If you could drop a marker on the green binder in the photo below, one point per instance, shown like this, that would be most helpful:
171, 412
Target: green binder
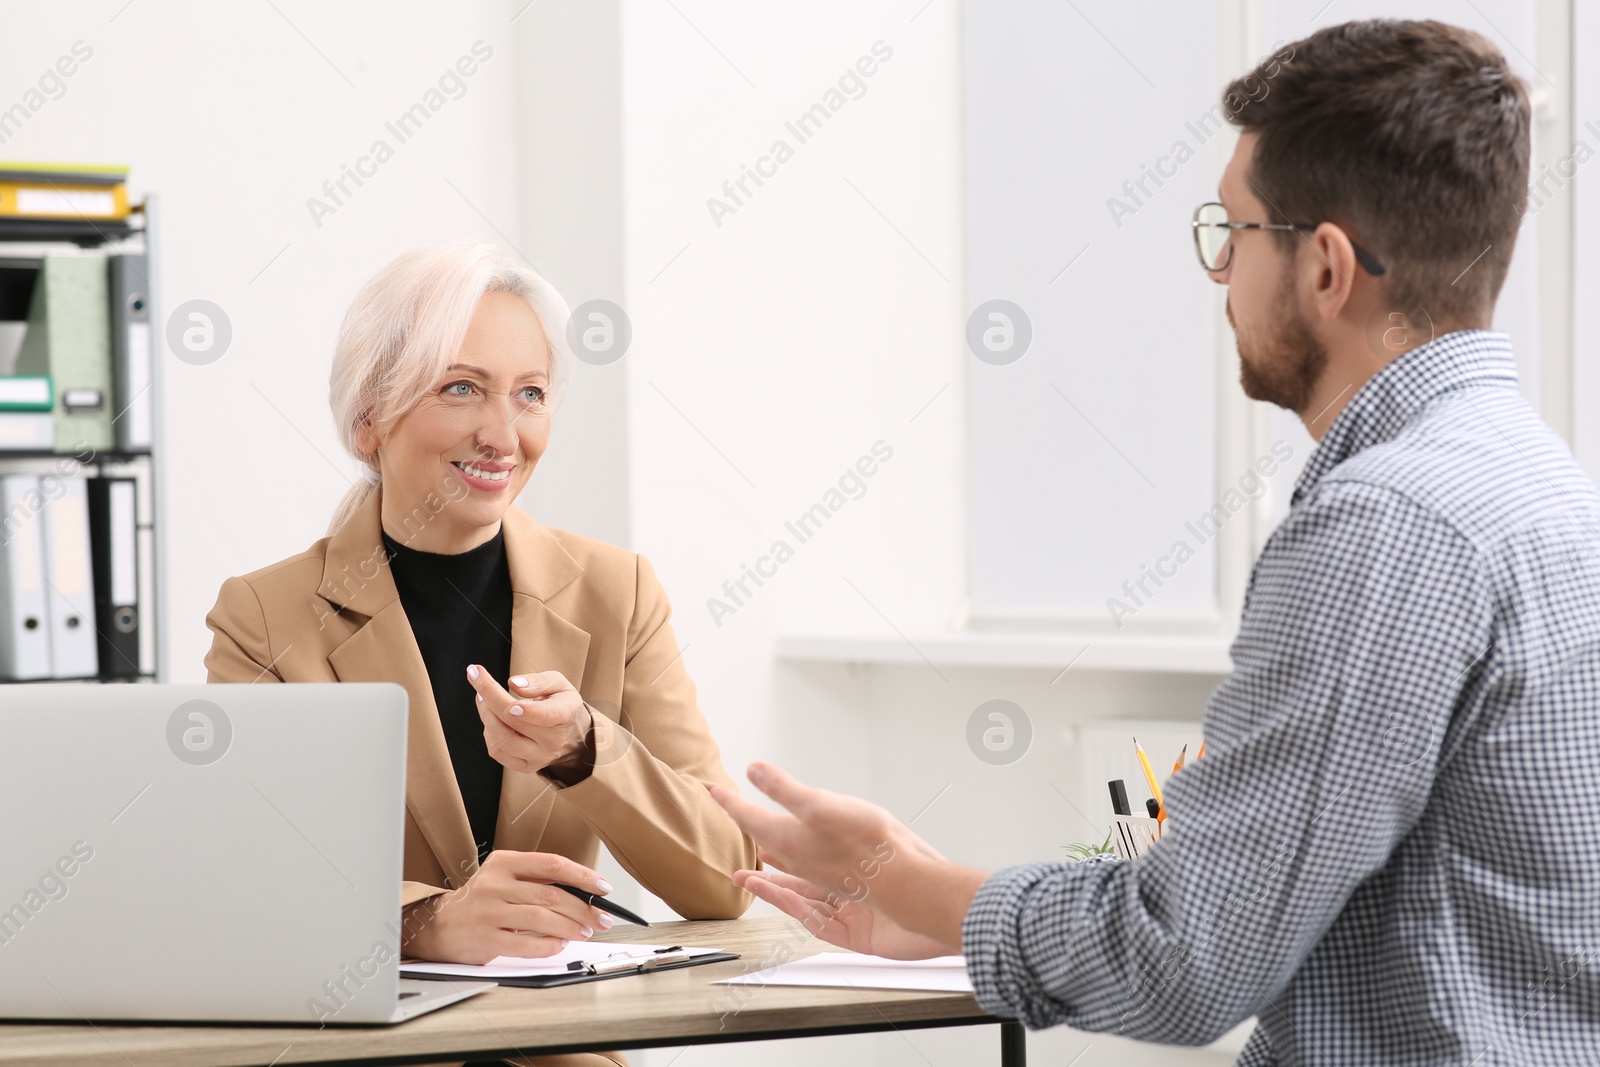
26, 392
69, 338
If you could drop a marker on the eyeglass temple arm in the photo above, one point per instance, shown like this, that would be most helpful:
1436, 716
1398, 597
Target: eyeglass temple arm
1368, 261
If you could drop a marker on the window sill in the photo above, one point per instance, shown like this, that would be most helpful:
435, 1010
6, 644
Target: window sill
1178, 653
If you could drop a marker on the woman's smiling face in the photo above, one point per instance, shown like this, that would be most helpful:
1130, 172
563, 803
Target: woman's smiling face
454, 463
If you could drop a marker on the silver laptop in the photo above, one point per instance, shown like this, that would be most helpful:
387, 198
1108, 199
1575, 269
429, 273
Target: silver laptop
205, 853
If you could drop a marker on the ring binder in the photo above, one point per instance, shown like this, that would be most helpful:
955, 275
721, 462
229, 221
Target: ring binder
24, 626
113, 526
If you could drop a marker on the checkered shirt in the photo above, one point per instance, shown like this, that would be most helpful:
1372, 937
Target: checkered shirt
1390, 853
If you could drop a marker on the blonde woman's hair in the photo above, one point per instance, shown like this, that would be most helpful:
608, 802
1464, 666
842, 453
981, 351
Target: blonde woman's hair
408, 323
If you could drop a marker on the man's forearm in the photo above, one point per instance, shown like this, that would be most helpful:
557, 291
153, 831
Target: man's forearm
926, 895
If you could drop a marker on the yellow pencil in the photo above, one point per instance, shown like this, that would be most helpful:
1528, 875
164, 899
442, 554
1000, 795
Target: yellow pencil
1202, 751
1177, 764
1150, 777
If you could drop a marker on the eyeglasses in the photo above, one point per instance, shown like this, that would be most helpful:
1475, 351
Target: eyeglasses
1213, 238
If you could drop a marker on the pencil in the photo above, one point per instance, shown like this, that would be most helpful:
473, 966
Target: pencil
1149, 775
1202, 751
1178, 763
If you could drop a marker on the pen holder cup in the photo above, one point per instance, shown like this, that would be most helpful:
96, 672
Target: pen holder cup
1133, 835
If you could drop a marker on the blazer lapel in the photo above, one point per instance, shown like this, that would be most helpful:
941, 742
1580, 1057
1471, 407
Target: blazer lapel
356, 579
541, 640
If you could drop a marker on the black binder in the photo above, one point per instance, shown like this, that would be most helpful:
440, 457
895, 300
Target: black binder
114, 549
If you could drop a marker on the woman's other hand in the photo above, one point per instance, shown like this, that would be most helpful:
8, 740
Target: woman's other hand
539, 724
507, 908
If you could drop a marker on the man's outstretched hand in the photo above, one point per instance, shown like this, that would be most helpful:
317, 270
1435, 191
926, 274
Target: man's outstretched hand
848, 924
872, 884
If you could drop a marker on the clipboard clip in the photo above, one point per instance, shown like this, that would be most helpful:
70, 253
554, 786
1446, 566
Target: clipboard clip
621, 961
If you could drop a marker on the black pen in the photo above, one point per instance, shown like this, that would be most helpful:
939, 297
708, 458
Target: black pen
595, 900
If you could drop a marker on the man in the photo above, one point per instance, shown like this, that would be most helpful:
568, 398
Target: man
1390, 853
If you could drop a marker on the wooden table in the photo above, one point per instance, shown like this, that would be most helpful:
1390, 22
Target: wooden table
668, 1008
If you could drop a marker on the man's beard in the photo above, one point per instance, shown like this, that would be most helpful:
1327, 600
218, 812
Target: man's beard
1280, 362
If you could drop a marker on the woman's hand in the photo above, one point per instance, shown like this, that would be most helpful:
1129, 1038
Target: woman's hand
541, 724
854, 925
508, 908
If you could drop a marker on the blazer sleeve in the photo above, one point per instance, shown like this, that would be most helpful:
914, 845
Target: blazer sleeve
648, 796
241, 651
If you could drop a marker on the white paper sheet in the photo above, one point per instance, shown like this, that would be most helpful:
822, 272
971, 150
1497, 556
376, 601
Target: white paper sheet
942, 974
523, 967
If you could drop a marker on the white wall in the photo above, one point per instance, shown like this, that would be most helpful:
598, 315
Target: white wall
1062, 132
770, 355
568, 141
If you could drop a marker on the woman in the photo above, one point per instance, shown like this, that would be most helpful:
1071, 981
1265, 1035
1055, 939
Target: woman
447, 367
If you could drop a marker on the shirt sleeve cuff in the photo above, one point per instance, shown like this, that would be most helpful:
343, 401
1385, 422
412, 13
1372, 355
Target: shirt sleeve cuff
991, 943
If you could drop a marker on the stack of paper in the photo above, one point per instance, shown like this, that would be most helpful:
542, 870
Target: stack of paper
943, 974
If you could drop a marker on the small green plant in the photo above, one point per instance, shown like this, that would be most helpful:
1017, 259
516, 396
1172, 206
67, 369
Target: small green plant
1080, 851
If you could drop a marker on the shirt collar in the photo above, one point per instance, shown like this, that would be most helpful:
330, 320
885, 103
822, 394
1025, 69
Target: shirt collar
1392, 396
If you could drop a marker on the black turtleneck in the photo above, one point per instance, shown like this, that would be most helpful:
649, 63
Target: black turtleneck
459, 607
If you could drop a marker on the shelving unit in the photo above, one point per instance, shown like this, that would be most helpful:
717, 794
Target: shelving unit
21, 238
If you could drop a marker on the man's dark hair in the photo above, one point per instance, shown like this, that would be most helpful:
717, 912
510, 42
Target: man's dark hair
1413, 136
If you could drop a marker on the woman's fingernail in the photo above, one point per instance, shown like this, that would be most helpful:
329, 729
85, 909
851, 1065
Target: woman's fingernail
480, 698
587, 932
605, 886
472, 672
520, 682
606, 921
516, 709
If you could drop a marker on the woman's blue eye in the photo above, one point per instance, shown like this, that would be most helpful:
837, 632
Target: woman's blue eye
538, 393
458, 385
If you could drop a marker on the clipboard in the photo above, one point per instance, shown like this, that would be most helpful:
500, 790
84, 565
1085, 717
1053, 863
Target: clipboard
623, 965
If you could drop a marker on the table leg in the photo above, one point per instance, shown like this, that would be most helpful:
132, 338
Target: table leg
1013, 1045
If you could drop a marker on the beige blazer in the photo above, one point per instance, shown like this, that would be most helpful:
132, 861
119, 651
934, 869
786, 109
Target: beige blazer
592, 611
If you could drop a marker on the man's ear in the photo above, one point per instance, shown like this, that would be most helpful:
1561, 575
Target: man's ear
1328, 270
